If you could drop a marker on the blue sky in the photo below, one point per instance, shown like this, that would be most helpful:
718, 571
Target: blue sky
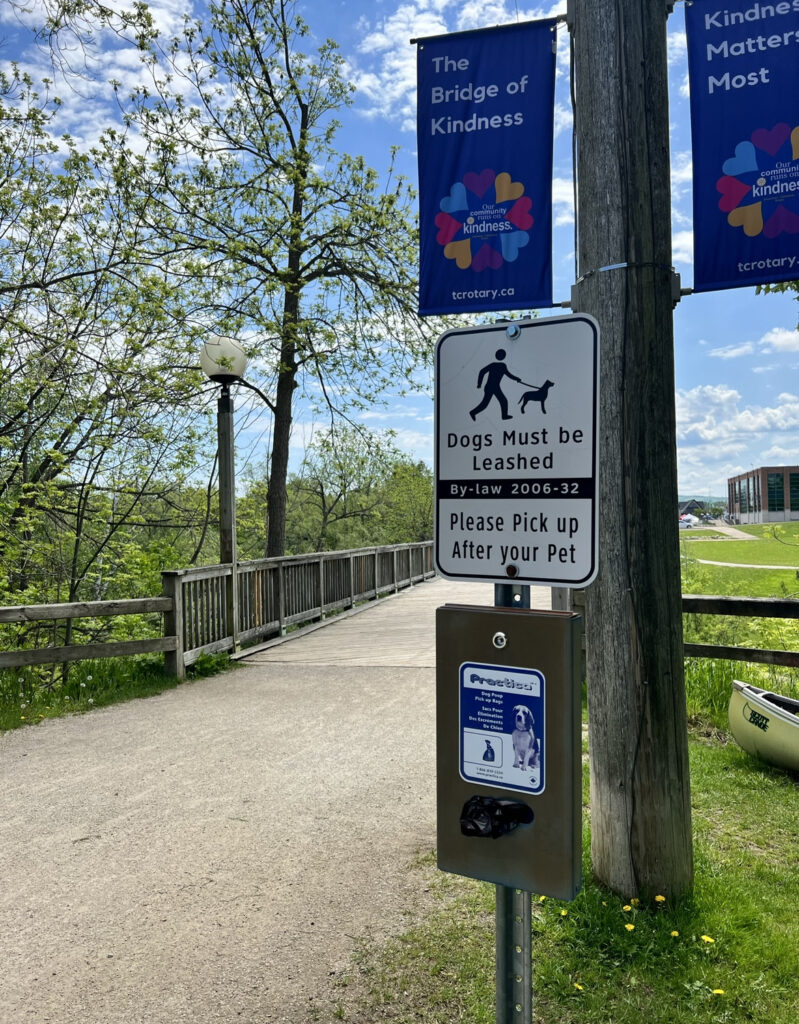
737, 353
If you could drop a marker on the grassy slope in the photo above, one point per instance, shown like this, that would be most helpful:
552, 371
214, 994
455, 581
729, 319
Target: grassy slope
587, 966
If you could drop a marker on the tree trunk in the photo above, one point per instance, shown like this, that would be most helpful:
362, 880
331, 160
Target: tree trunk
281, 437
287, 373
640, 797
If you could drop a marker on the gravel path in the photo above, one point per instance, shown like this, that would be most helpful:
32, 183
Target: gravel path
216, 853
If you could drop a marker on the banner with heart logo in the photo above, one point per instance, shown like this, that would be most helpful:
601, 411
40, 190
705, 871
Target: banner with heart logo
486, 103
743, 64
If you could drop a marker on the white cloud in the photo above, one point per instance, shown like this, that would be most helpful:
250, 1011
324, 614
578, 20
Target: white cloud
563, 201
732, 351
713, 413
780, 339
417, 444
682, 244
677, 46
386, 75
778, 455
681, 174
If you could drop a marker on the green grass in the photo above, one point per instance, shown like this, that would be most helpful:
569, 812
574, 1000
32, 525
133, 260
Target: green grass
28, 696
745, 552
718, 579
588, 968
770, 634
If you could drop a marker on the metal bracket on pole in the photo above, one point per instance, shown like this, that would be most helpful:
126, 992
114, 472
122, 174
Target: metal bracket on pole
676, 288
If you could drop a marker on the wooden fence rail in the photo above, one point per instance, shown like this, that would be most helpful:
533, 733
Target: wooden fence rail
78, 610
275, 594
758, 607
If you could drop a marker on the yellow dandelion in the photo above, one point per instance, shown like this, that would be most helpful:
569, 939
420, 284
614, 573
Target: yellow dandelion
579, 987
635, 901
541, 899
564, 913
660, 899
707, 938
626, 907
604, 903
674, 934
718, 991
630, 927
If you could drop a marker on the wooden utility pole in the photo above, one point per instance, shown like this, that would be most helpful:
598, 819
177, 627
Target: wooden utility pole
640, 798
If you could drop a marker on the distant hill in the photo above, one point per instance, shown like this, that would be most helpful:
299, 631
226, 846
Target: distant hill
704, 498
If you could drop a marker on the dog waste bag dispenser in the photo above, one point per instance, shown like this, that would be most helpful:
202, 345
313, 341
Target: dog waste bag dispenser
508, 727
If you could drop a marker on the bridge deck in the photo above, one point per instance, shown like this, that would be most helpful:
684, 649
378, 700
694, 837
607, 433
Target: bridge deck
399, 630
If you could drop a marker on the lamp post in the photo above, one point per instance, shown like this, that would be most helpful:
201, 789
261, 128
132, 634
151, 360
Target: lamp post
224, 361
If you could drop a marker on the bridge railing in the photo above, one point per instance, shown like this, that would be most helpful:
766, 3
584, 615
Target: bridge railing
221, 608
274, 594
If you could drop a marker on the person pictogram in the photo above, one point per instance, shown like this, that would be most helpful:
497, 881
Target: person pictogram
493, 374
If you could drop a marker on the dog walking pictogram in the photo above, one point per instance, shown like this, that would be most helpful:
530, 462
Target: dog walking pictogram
493, 374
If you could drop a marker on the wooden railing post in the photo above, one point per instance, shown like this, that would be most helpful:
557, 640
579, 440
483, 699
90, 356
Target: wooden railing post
172, 587
321, 587
281, 600
352, 580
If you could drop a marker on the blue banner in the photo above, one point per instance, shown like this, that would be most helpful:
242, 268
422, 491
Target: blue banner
486, 103
743, 61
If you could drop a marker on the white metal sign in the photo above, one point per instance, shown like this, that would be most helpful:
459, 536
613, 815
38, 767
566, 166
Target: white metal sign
517, 408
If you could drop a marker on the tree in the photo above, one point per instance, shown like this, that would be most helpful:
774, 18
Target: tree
314, 258
95, 422
341, 484
409, 504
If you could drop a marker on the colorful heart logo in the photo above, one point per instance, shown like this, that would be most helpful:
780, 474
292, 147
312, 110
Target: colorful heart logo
456, 200
448, 227
732, 192
781, 220
480, 183
461, 252
745, 160
507, 189
486, 258
771, 142
512, 242
750, 218
519, 214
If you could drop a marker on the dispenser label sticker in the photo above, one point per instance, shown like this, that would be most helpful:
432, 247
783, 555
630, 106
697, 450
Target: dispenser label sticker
502, 727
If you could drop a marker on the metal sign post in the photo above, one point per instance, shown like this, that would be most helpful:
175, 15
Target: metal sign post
513, 914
